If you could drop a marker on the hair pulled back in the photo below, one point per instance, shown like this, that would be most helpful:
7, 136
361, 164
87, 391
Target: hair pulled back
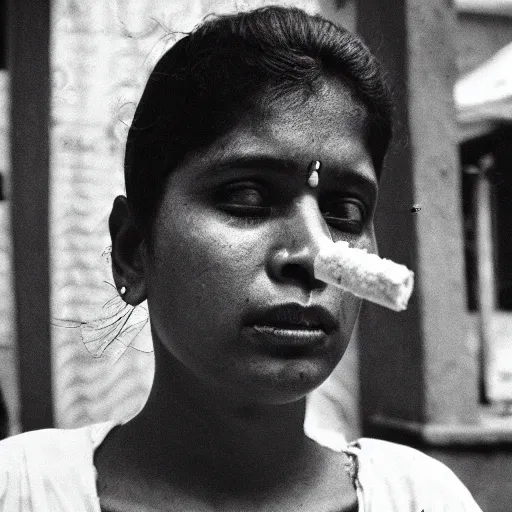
227, 66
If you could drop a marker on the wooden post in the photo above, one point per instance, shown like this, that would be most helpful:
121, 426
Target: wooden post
419, 374
486, 280
29, 69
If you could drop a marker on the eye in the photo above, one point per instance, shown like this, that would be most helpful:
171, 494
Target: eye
248, 196
245, 199
345, 215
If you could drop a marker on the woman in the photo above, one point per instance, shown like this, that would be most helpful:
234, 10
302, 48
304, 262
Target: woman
259, 136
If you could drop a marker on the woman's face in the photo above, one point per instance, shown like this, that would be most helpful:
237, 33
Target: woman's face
229, 276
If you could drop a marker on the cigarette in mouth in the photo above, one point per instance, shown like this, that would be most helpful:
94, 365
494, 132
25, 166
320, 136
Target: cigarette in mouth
365, 275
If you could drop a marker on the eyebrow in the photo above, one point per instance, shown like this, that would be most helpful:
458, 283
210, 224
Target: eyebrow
255, 162
258, 162
358, 179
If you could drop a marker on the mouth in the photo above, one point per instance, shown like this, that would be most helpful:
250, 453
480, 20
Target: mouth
292, 330
289, 342
294, 333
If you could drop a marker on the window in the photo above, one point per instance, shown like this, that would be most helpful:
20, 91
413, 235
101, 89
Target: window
492, 152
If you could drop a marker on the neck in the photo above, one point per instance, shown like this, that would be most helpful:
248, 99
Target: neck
188, 424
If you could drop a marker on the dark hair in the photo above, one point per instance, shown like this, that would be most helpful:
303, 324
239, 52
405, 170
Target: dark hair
225, 67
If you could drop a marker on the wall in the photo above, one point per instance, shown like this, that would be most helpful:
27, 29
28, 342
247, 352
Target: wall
478, 37
8, 376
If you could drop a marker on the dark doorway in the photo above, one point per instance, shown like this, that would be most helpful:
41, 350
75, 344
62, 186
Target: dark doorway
497, 148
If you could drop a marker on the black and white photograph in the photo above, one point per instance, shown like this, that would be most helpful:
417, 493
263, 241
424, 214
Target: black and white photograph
255, 255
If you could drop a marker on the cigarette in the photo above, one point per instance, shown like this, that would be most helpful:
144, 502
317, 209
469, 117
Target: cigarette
365, 275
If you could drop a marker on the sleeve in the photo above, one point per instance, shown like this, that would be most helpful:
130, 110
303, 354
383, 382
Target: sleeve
48, 470
407, 480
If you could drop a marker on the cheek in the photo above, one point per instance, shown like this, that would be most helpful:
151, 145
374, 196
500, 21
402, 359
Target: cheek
202, 269
365, 240
371, 241
349, 313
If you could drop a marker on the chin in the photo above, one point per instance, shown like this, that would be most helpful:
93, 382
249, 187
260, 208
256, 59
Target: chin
288, 381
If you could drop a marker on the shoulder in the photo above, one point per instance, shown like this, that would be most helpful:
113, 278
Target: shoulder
53, 446
404, 475
400, 457
43, 464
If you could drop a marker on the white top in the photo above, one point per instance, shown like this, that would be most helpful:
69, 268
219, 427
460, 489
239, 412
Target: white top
53, 470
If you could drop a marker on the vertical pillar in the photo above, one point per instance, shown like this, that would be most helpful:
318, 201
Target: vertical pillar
418, 373
29, 68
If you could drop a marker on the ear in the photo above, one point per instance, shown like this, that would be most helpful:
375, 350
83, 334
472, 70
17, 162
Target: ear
128, 251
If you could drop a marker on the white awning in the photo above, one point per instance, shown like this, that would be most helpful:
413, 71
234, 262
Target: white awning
492, 7
483, 97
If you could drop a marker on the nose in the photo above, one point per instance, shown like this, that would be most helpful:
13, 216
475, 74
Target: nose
299, 240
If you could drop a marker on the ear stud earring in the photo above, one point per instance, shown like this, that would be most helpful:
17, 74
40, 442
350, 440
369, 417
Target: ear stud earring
313, 177
122, 290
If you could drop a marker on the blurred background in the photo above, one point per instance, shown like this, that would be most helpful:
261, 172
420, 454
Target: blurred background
438, 377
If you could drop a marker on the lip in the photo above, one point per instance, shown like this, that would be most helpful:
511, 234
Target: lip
292, 335
289, 342
293, 323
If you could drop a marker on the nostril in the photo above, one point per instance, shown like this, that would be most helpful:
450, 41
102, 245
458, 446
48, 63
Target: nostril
294, 271
297, 273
